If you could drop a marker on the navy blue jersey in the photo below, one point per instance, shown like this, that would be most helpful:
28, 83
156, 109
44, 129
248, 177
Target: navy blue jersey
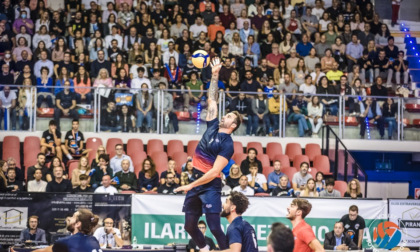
240, 231
79, 243
211, 145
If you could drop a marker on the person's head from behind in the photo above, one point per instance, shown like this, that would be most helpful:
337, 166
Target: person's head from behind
202, 226
329, 184
353, 212
338, 229
82, 221
33, 222
235, 203
299, 208
84, 180
106, 180
304, 166
280, 239
231, 121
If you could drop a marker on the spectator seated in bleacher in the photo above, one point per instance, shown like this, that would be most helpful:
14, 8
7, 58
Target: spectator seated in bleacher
299, 113
127, 179
370, 112
259, 113
256, 180
144, 104
310, 189
353, 189
169, 184
319, 181
59, 184
401, 69
338, 234
8, 101
330, 103
12, 183
74, 141
40, 165
167, 108
242, 105
65, 105
329, 190
383, 68
244, 187
274, 109
83, 168
11, 164
116, 164
109, 118
301, 177
251, 158
100, 170
274, 177
170, 170
315, 111
37, 184
148, 177
106, 186
83, 186
55, 161
194, 92
234, 175
44, 84
51, 141
283, 188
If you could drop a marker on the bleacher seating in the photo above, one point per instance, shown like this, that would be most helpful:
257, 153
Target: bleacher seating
110, 146
154, 145
273, 149
292, 150
11, 148
255, 145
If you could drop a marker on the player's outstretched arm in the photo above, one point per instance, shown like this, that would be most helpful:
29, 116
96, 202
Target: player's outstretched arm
212, 95
218, 166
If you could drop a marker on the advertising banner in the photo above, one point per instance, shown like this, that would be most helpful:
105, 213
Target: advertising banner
159, 220
52, 209
406, 215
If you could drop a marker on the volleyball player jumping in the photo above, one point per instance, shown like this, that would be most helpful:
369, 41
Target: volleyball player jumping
212, 154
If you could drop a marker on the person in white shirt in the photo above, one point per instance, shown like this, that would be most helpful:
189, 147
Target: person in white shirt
112, 36
37, 185
140, 80
106, 186
120, 156
198, 27
243, 186
318, 10
257, 181
315, 109
170, 53
108, 236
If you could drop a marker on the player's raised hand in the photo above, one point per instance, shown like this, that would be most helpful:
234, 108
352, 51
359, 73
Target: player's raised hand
184, 188
216, 65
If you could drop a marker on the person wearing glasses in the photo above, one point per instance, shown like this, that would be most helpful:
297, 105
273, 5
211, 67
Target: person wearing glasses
169, 186
108, 236
192, 247
120, 156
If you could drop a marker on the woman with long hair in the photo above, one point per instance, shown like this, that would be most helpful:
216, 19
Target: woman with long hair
330, 35
23, 33
348, 12
163, 42
97, 35
44, 19
42, 35
178, 27
199, 44
229, 32
217, 44
150, 53
266, 45
259, 112
372, 50
323, 23
353, 189
381, 39
368, 13
235, 174
118, 64
327, 61
299, 73
99, 45
346, 34
287, 45
157, 64
63, 76
389, 112
59, 49
310, 189
82, 168
148, 177
55, 162
285, 9
315, 110
311, 60
319, 181
126, 120
144, 108
103, 83
233, 85
173, 74
134, 52
357, 25
81, 83
339, 26
44, 91
26, 101
236, 48
122, 80
280, 71
112, 21
357, 90
265, 30
242, 19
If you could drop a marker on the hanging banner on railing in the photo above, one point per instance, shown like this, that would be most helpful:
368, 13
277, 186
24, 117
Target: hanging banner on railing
52, 209
159, 220
406, 214
124, 99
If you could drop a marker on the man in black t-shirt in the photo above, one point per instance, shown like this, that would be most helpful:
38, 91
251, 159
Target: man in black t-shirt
383, 67
66, 62
40, 165
191, 244
401, 68
74, 141
84, 186
169, 186
51, 141
109, 121
149, 38
354, 225
263, 72
65, 104
158, 16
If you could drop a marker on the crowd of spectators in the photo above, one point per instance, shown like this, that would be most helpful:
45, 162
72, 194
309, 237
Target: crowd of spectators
308, 48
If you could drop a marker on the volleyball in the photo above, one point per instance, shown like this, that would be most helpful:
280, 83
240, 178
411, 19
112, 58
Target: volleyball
200, 59
387, 235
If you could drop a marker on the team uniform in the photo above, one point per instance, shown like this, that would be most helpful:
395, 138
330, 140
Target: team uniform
77, 243
303, 235
207, 198
240, 231
74, 139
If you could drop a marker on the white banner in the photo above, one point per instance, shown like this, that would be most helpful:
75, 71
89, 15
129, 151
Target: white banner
406, 214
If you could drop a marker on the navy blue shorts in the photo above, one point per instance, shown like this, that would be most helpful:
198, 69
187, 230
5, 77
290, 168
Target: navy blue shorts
205, 198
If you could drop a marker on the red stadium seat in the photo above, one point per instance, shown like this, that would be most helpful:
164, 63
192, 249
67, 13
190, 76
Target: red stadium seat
150, 192
239, 157
110, 146
261, 194
299, 159
93, 144
183, 115
273, 149
138, 159
289, 171
313, 172
154, 145
137, 169
173, 147
265, 161
11, 148
134, 147
416, 123
412, 107
312, 150
322, 164
293, 149
255, 145
72, 164
31, 148
160, 159
180, 159
267, 170
341, 186
284, 160
237, 147
127, 192
191, 147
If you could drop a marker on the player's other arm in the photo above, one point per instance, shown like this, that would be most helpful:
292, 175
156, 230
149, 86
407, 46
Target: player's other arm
234, 247
213, 90
316, 246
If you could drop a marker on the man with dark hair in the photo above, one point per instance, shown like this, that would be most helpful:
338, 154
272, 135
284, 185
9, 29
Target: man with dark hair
12, 182
192, 246
33, 233
251, 158
51, 140
101, 170
59, 184
250, 84
338, 240
84, 185
280, 238
40, 164
329, 190
301, 177
109, 118
370, 111
382, 66
240, 234
257, 180
169, 185
354, 225
65, 103
74, 141
304, 236
98, 64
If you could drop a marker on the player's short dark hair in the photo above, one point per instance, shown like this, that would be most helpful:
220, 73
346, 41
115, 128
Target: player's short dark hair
240, 201
303, 205
252, 148
104, 157
330, 181
281, 238
354, 208
237, 121
202, 222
